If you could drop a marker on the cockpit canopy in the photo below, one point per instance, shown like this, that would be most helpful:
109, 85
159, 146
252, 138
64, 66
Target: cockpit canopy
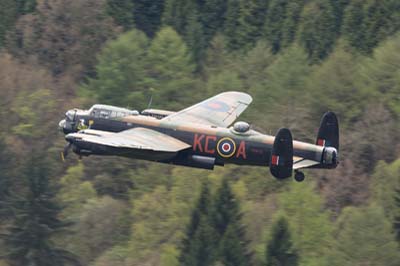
241, 127
108, 111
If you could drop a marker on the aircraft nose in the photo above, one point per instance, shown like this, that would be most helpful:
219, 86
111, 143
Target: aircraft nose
61, 125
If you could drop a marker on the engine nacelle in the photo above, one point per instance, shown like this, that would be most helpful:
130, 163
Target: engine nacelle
197, 161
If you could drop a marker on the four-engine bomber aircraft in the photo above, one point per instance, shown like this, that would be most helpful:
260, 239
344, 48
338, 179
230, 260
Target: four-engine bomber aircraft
198, 136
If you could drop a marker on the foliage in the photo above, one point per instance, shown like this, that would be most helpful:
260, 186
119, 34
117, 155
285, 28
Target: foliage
84, 28
309, 223
280, 251
364, 236
120, 73
36, 222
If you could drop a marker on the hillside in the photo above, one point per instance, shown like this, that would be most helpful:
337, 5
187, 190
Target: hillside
297, 58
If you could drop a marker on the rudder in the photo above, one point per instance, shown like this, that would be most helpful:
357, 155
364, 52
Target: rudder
281, 160
328, 133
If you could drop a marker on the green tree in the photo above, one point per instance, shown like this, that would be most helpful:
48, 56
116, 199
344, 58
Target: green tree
5, 180
122, 12
310, 225
364, 236
9, 12
74, 191
282, 22
80, 29
198, 244
30, 237
226, 219
212, 14
175, 14
8, 16
121, 71
381, 73
247, 18
231, 24
282, 90
147, 15
366, 23
396, 223
334, 86
169, 69
318, 30
280, 251
384, 184
194, 32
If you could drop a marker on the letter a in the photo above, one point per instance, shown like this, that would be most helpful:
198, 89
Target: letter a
241, 150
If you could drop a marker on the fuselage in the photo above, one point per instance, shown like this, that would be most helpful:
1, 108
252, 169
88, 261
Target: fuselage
224, 144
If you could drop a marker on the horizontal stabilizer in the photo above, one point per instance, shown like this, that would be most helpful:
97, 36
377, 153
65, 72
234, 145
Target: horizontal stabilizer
281, 161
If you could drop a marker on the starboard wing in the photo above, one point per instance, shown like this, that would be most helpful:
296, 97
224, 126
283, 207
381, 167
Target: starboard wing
136, 138
221, 110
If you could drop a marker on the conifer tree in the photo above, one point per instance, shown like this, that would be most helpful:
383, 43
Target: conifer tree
147, 15
282, 22
317, 30
231, 24
226, 219
197, 246
5, 180
212, 15
122, 12
396, 223
8, 15
29, 241
280, 251
251, 21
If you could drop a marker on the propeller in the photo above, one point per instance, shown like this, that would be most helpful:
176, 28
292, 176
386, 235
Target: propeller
65, 151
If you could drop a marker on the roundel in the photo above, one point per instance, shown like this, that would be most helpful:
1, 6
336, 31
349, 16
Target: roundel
226, 147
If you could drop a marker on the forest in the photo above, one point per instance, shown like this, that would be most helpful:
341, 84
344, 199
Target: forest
297, 58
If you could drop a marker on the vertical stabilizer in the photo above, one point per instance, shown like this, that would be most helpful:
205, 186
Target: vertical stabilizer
281, 161
328, 133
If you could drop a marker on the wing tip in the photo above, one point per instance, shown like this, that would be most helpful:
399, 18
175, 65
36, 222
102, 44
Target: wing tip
247, 97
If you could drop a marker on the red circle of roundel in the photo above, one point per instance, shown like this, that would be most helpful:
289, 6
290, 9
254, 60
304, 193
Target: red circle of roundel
226, 147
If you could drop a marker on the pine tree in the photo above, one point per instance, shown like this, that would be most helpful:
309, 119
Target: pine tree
282, 22
231, 24
122, 12
5, 180
317, 30
280, 251
175, 14
36, 222
226, 219
147, 15
197, 246
212, 14
396, 223
251, 21
8, 16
